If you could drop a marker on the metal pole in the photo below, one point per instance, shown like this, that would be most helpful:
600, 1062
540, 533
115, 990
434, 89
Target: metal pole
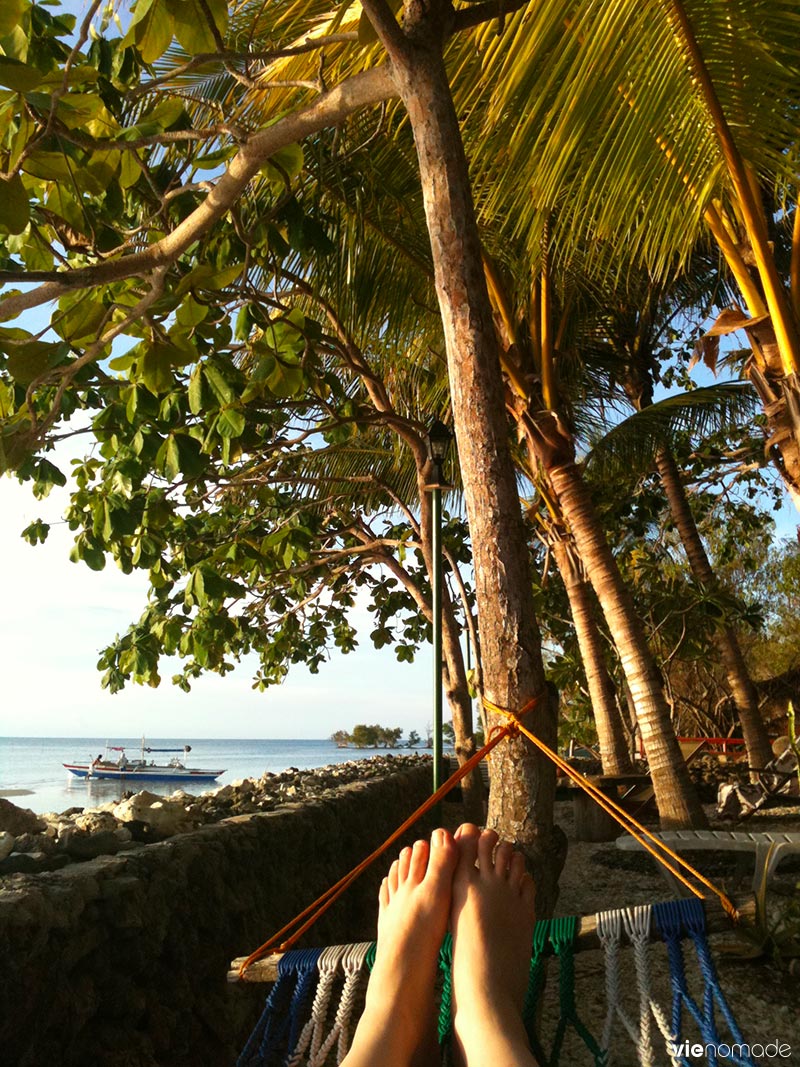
436, 597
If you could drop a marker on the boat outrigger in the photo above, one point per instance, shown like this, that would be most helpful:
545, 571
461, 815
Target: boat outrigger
120, 768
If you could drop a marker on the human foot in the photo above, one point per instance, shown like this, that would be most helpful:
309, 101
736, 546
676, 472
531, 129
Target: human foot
492, 920
414, 906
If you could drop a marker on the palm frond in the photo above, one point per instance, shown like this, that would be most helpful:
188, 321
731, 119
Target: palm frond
631, 446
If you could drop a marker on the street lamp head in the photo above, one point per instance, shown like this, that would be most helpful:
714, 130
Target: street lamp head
437, 441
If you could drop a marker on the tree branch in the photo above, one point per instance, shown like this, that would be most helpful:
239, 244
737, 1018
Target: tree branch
357, 92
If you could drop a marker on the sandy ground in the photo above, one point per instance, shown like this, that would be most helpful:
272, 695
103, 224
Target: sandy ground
764, 997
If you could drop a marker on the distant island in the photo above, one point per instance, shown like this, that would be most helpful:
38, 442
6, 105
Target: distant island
363, 736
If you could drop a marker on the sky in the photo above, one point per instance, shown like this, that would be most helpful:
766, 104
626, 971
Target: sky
57, 616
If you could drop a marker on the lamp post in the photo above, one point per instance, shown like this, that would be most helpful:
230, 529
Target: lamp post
438, 440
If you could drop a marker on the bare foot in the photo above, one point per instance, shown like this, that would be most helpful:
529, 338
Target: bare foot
492, 922
398, 1019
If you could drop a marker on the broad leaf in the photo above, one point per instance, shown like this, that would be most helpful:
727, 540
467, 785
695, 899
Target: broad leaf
18, 76
14, 207
10, 14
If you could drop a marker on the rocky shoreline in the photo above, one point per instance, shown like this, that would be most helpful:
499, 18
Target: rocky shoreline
32, 844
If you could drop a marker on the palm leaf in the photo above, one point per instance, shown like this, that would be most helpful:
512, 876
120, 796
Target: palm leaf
630, 447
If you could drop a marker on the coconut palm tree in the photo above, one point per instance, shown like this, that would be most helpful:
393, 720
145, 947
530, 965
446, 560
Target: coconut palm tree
650, 127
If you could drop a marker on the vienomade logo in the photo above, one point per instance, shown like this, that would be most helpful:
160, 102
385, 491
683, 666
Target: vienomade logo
744, 1050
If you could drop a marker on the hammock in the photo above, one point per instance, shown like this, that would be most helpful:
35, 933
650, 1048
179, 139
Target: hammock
285, 1036
311, 1012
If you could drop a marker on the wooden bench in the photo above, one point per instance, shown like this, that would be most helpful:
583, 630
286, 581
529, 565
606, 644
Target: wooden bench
769, 848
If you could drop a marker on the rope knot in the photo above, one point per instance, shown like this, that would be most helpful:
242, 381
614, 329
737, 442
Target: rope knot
514, 717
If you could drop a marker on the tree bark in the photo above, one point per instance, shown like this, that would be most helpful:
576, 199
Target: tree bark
523, 783
678, 804
614, 751
759, 751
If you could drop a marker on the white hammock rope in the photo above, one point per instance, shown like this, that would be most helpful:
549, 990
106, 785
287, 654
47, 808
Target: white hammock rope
311, 1036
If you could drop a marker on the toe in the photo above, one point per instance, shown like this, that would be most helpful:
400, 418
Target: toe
486, 846
383, 893
467, 837
527, 892
443, 856
393, 877
503, 855
516, 868
403, 865
418, 861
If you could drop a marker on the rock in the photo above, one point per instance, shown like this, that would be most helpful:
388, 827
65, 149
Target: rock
82, 845
30, 843
19, 820
96, 821
225, 792
22, 863
6, 844
166, 817
123, 835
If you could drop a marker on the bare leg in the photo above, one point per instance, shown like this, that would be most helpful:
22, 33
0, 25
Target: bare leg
398, 1019
492, 923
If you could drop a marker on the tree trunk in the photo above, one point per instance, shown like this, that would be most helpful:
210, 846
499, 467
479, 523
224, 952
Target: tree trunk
523, 783
614, 752
759, 752
678, 805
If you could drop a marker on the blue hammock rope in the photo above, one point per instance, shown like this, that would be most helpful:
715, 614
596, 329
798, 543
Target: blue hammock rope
672, 918
276, 1031
285, 1012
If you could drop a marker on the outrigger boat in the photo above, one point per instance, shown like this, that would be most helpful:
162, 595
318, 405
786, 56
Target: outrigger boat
120, 768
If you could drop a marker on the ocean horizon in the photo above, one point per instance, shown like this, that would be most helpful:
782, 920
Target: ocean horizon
32, 774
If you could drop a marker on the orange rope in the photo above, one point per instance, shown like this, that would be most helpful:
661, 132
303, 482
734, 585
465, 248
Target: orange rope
657, 848
325, 900
513, 727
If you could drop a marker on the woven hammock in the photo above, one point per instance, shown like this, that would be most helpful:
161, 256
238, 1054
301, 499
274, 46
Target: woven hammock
312, 1009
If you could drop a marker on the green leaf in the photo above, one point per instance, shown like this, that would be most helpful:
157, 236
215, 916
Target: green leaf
190, 313
219, 387
61, 202
129, 170
51, 166
205, 277
122, 362
196, 390
82, 320
231, 423
215, 159
191, 23
285, 380
27, 362
155, 368
14, 208
18, 76
10, 14
151, 30
168, 458
37, 532
287, 162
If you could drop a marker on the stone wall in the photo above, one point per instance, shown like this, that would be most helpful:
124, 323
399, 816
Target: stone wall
121, 961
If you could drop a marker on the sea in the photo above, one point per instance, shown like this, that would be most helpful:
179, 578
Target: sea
32, 775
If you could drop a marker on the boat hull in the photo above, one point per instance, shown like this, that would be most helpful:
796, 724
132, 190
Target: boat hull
142, 774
